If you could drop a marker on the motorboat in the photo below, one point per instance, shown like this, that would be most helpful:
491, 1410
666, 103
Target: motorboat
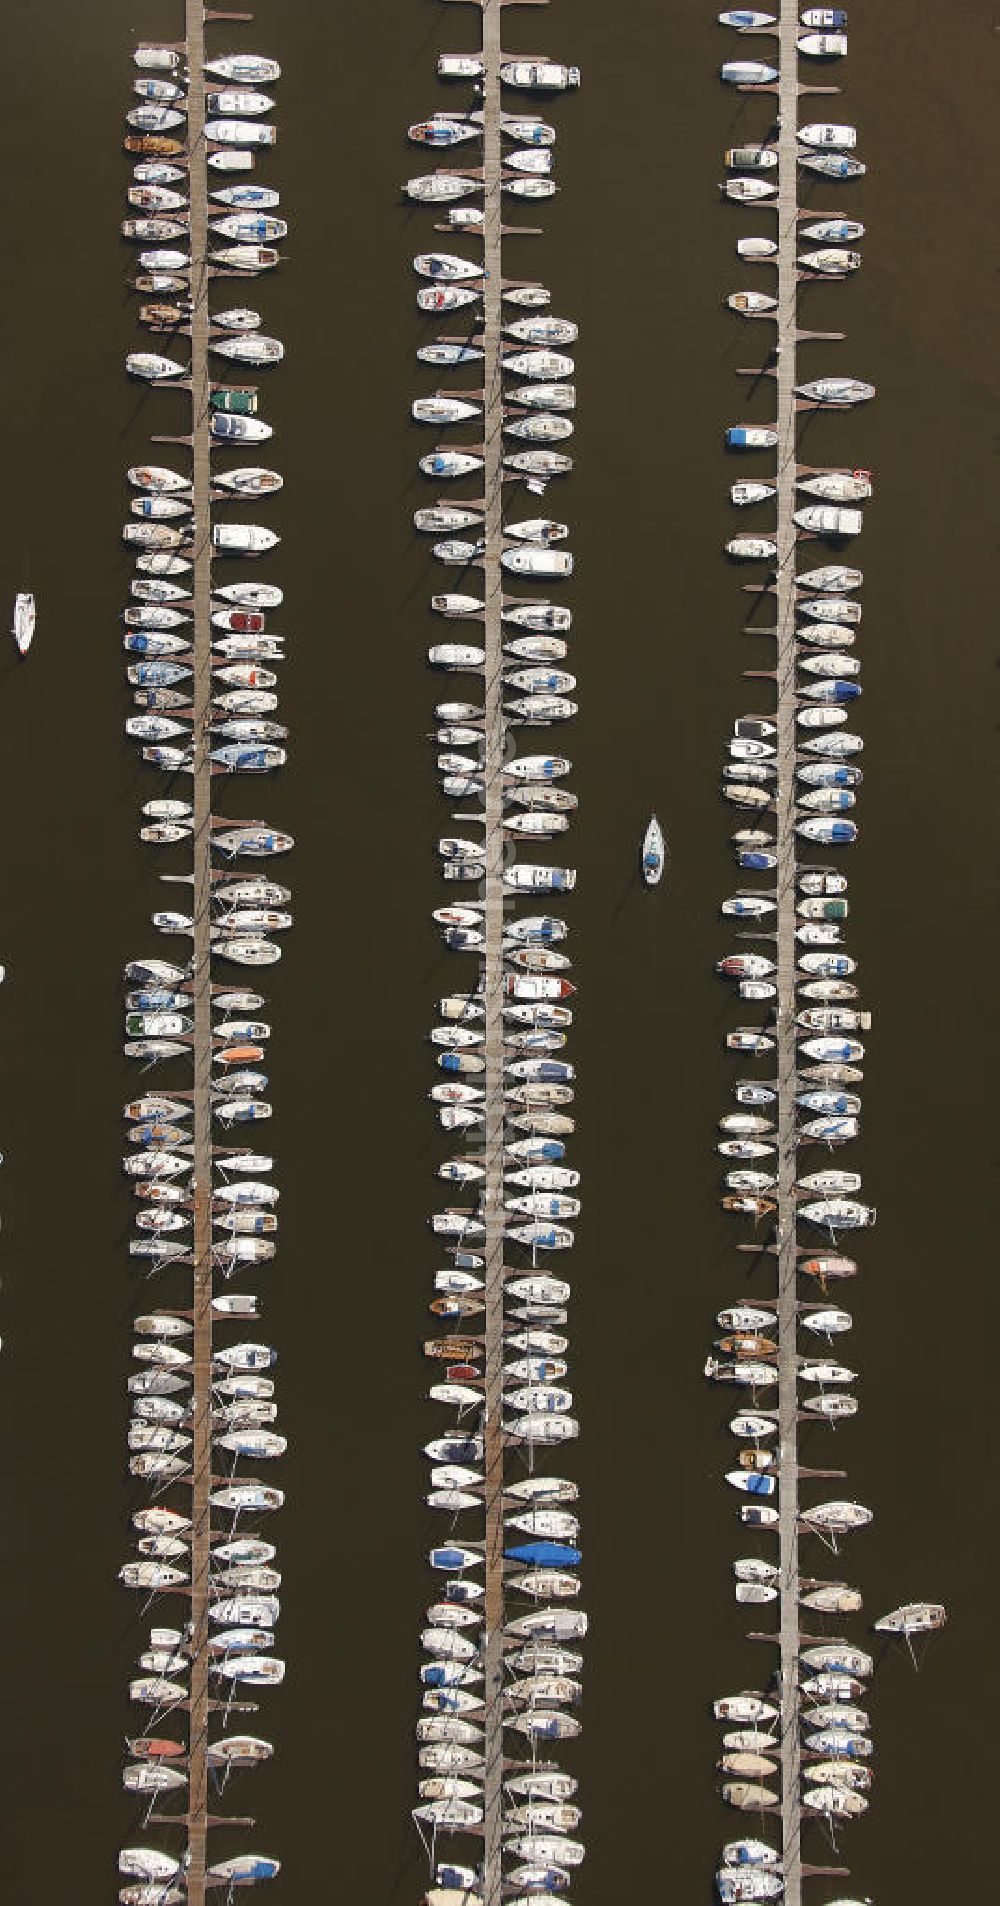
747, 73
751, 437
245, 539
752, 159
822, 46
232, 103
751, 548
830, 519
230, 429
746, 20
239, 132
538, 561
543, 76
231, 159
824, 135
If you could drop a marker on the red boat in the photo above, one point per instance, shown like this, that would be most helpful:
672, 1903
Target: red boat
244, 621
152, 1747
462, 1373
824, 1267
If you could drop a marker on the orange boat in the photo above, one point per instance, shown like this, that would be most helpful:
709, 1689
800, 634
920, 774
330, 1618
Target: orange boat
153, 1747
456, 1307
154, 145
750, 1205
239, 1055
455, 1349
748, 1346
824, 1267
162, 317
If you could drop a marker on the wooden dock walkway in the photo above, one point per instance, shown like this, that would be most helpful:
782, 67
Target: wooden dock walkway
493, 955
200, 1705
787, 1248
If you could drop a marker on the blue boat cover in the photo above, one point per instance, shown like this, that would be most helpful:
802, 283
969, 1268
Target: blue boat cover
545, 1554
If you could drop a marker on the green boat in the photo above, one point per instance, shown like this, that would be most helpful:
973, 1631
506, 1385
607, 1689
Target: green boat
242, 403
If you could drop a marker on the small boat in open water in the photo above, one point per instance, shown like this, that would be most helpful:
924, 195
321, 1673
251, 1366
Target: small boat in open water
654, 853
24, 621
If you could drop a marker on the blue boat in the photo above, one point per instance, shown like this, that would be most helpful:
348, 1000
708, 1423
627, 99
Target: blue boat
159, 674
453, 1557
545, 1554
757, 858
245, 1868
757, 1485
545, 1237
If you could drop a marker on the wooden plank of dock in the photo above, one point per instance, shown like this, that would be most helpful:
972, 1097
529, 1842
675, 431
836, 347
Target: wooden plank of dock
198, 1721
493, 954
788, 1479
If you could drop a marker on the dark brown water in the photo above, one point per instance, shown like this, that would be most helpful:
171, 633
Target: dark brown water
639, 251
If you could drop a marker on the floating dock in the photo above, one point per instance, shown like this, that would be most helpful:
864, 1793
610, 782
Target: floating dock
201, 1475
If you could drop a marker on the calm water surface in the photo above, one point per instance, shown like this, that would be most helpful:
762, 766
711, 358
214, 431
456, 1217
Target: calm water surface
639, 251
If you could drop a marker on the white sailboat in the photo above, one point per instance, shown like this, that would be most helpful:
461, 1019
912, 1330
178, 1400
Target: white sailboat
24, 621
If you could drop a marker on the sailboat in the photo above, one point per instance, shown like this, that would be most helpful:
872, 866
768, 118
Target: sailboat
24, 621
913, 1618
654, 853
